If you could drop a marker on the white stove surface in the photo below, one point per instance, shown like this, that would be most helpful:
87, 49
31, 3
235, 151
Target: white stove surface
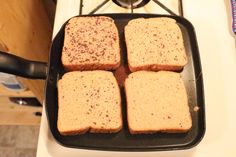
211, 20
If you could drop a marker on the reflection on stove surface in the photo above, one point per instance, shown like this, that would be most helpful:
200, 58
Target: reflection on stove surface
131, 3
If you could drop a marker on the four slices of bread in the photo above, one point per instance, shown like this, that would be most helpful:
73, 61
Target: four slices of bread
155, 44
90, 100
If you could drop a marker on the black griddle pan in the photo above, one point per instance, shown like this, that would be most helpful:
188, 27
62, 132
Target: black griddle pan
123, 140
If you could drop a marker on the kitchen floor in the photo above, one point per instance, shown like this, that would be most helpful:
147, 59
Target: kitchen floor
19, 129
18, 141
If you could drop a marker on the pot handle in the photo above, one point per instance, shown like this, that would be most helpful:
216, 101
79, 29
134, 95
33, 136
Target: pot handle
21, 67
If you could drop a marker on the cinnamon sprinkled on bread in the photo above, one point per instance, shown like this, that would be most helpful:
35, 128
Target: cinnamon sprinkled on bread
155, 44
157, 102
91, 43
88, 101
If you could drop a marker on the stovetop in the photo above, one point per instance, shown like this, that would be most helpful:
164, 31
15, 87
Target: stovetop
217, 50
173, 7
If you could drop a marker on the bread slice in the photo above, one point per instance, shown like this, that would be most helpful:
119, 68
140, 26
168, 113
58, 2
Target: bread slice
91, 43
156, 102
155, 44
88, 101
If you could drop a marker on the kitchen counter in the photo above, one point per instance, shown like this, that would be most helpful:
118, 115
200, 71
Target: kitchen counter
218, 56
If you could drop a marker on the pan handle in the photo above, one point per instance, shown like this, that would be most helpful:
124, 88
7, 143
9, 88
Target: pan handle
21, 67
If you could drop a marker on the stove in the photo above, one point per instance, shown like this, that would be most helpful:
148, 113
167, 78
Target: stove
173, 7
217, 50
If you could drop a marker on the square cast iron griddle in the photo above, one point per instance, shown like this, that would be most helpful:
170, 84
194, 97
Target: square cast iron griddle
123, 140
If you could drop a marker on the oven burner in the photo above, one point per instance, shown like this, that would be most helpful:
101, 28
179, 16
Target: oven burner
128, 3
131, 4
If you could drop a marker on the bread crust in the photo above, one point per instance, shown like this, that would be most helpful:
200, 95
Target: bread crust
154, 67
89, 66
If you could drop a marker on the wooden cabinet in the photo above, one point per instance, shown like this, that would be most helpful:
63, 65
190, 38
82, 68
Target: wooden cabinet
25, 31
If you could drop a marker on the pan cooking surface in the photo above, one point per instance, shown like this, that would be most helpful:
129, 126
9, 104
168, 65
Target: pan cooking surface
123, 140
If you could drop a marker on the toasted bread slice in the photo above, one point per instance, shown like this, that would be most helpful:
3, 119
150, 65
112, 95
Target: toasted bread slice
88, 101
91, 43
157, 102
155, 44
